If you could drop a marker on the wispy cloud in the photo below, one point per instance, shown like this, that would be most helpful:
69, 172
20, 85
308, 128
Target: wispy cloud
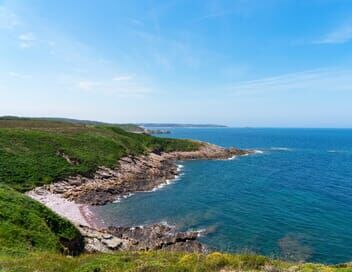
27, 40
312, 80
87, 85
8, 19
18, 75
341, 34
136, 22
123, 78
242, 8
125, 87
213, 15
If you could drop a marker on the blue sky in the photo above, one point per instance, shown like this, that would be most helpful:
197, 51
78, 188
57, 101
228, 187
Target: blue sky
243, 63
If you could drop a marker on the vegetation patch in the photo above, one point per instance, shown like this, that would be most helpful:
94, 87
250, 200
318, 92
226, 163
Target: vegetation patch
26, 225
155, 261
33, 152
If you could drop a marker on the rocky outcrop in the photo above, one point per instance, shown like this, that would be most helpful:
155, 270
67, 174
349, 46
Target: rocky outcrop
72, 196
133, 174
142, 173
151, 237
208, 152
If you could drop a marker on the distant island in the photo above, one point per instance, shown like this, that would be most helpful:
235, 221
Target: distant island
175, 125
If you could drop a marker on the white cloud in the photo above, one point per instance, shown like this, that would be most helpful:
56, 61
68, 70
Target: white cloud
123, 78
312, 80
14, 74
88, 85
27, 39
119, 87
8, 19
19, 75
340, 35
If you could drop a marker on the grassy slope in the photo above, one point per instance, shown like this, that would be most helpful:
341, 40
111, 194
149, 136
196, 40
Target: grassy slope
27, 225
127, 127
31, 154
156, 261
29, 157
30, 150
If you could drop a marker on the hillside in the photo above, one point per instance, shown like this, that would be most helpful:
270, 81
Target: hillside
33, 238
127, 127
36, 152
26, 225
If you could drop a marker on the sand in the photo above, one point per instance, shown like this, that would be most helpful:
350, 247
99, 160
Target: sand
78, 214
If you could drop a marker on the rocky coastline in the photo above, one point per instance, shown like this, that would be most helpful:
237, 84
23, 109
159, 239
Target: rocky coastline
72, 197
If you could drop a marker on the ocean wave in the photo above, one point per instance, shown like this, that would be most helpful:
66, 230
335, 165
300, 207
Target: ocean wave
120, 198
281, 148
170, 181
201, 232
337, 151
232, 158
160, 186
165, 223
256, 151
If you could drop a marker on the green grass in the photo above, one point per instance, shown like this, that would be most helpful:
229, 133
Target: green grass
31, 154
33, 238
156, 261
30, 150
26, 225
127, 127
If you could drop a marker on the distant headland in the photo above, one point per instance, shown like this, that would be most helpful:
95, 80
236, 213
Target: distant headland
179, 125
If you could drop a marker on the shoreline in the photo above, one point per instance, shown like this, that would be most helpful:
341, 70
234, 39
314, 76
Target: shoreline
81, 214
78, 214
73, 197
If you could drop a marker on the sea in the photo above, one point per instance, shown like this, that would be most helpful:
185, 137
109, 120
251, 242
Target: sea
291, 199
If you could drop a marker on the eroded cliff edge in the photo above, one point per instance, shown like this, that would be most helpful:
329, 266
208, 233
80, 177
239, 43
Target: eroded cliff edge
131, 174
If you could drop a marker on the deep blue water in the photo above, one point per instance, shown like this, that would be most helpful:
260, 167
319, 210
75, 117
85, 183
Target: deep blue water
294, 199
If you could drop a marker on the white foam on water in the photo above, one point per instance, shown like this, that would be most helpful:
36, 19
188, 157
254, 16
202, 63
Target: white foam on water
232, 158
179, 167
280, 148
120, 198
165, 223
160, 186
257, 151
201, 232
128, 195
170, 181
338, 151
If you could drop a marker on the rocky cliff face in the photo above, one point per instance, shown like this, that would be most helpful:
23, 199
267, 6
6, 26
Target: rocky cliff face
132, 174
151, 237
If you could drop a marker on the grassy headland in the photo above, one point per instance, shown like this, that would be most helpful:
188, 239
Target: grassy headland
33, 238
36, 152
128, 127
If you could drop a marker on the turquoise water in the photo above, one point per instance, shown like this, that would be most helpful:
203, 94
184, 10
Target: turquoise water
294, 200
